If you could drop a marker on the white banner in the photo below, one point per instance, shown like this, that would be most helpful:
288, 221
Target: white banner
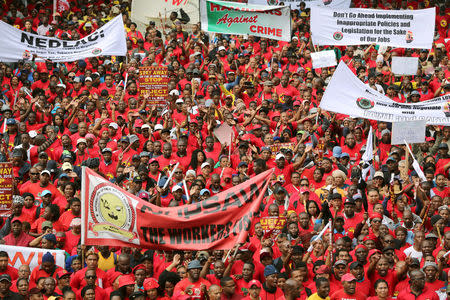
295, 4
405, 65
411, 132
271, 22
323, 59
158, 11
358, 26
31, 256
107, 40
348, 95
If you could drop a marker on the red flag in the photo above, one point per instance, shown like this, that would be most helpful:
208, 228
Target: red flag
112, 216
61, 5
4, 127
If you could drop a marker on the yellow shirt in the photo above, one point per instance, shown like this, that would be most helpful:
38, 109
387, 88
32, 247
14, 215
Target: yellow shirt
317, 297
106, 263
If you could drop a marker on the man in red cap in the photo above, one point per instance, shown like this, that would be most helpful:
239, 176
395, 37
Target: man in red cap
246, 255
17, 237
348, 292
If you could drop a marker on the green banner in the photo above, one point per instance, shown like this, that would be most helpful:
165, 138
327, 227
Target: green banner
239, 18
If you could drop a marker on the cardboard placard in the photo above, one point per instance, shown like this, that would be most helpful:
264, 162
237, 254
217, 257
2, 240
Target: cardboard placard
411, 132
6, 188
272, 225
405, 65
153, 83
224, 134
275, 148
323, 59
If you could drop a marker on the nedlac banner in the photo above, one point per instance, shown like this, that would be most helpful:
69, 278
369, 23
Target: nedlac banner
112, 216
16, 45
354, 26
271, 22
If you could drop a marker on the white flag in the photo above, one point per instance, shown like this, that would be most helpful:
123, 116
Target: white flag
415, 164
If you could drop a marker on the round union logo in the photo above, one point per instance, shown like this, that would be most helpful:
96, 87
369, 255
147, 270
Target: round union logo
364, 103
338, 35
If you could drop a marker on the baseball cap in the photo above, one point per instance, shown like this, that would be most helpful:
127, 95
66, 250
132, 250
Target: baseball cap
45, 172
204, 191
176, 187
279, 156
348, 277
205, 164
195, 264
253, 283
340, 262
5, 277
46, 193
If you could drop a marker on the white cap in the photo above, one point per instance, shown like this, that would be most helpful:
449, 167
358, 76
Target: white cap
145, 126
61, 85
32, 134
114, 125
179, 101
159, 127
88, 79
190, 172
81, 140
174, 92
279, 156
205, 164
222, 48
176, 187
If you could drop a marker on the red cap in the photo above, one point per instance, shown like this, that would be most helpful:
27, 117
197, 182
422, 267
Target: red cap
113, 276
323, 269
138, 123
139, 267
373, 251
126, 280
369, 237
429, 139
376, 216
152, 160
61, 273
16, 219
360, 246
150, 283
276, 114
247, 247
348, 277
297, 103
254, 282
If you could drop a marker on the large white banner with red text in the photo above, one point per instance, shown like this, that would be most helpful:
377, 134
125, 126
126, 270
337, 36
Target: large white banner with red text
31, 256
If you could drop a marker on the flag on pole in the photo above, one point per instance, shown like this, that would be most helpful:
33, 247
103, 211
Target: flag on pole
367, 158
61, 5
415, 164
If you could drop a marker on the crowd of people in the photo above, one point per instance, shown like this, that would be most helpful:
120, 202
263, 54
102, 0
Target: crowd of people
389, 234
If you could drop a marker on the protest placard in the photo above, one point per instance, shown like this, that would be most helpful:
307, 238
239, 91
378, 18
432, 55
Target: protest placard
272, 226
358, 26
224, 134
242, 18
323, 59
153, 83
405, 65
411, 132
6, 187
275, 148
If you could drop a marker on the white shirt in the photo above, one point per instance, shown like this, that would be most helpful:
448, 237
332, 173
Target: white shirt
413, 253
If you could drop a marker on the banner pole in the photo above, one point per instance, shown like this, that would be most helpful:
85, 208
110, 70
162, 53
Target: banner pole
171, 175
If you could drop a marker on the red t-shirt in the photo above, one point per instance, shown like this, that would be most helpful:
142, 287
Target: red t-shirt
342, 295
